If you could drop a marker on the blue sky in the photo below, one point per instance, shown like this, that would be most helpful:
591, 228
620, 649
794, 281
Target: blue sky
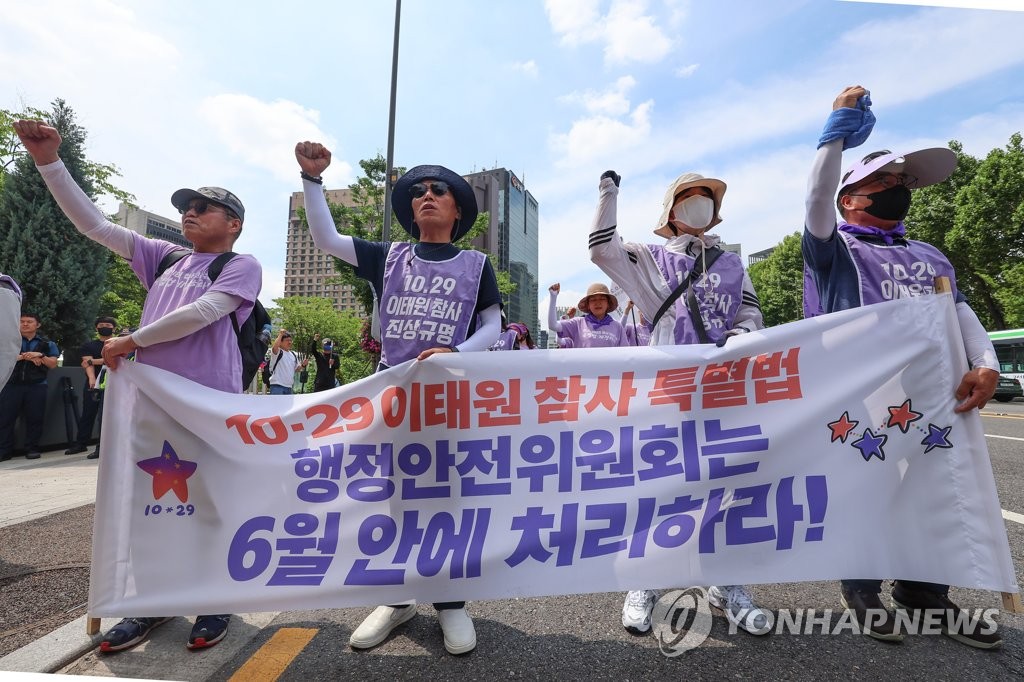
191, 93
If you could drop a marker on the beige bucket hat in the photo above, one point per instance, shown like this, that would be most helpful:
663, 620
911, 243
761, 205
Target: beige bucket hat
597, 289
681, 184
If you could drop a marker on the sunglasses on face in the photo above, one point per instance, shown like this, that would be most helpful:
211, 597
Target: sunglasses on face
201, 206
439, 188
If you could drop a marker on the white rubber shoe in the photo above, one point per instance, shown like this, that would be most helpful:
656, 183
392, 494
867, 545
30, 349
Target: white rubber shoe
379, 624
459, 633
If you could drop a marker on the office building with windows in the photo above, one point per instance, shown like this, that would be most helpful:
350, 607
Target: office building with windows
307, 269
151, 225
512, 237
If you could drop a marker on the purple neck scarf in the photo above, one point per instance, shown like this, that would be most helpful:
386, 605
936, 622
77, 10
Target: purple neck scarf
899, 231
594, 322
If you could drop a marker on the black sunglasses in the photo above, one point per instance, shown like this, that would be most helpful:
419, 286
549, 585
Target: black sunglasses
201, 206
438, 187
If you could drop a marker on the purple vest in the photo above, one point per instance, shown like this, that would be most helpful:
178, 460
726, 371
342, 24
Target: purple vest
898, 271
718, 292
507, 340
426, 304
585, 335
638, 335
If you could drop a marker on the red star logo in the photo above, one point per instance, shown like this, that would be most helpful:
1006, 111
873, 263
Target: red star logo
842, 427
169, 473
902, 416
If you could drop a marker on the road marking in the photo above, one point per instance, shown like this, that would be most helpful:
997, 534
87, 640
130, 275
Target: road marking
1002, 416
989, 435
274, 657
1013, 516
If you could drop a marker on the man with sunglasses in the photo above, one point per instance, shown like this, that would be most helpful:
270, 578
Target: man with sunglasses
437, 207
186, 326
867, 259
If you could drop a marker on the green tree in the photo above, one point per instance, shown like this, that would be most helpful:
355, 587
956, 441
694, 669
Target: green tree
976, 218
305, 317
779, 282
61, 273
124, 294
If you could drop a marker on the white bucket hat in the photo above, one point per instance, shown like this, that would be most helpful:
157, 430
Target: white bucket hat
681, 184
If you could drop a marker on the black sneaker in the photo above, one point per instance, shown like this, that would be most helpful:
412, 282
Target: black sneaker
33, 454
95, 454
75, 449
208, 630
872, 617
955, 624
128, 633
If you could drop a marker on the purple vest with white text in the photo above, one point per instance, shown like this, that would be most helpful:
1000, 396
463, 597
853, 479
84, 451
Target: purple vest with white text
718, 292
898, 271
426, 304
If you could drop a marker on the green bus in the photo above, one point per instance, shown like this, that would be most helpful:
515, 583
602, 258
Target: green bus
1009, 345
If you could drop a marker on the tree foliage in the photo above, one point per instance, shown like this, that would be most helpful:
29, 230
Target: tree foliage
976, 218
779, 281
305, 317
124, 294
61, 273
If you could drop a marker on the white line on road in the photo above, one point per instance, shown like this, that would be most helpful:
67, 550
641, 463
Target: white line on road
1013, 516
1009, 515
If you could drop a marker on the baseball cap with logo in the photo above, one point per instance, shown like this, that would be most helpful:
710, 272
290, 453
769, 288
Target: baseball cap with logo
217, 195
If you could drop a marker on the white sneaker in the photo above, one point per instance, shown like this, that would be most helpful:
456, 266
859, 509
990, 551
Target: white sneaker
636, 611
459, 633
376, 627
738, 605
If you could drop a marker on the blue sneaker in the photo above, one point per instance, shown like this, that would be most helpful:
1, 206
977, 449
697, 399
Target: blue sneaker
128, 633
208, 630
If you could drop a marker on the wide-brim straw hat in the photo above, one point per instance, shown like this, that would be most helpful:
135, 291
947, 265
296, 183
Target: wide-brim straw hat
681, 184
597, 289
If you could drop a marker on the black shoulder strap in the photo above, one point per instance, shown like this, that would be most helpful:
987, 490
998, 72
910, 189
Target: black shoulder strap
169, 260
213, 272
217, 266
710, 256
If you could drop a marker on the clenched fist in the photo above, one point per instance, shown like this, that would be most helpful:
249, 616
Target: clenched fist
313, 158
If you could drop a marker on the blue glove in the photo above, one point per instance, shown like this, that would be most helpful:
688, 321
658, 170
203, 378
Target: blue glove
851, 125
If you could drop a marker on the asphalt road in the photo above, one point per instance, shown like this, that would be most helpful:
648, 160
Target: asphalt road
557, 637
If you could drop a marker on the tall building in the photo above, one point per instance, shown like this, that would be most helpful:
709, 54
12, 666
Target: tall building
151, 225
307, 268
512, 237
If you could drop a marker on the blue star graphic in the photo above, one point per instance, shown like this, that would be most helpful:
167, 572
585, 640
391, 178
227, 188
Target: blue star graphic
869, 444
938, 437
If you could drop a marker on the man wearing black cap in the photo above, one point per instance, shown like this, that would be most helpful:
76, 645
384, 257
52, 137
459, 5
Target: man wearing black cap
185, 315
436, 207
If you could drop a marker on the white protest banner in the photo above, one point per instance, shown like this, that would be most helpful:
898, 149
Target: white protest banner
817, 450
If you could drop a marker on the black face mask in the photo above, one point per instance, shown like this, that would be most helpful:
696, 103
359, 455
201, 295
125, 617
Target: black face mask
889, 204
105, 331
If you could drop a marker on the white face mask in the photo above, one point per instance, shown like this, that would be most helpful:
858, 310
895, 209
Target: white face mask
695, 212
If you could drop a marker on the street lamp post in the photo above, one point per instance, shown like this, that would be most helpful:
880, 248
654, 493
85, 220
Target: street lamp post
391, 176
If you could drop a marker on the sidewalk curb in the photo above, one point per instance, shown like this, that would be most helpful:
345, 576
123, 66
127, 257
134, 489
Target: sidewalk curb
52, 652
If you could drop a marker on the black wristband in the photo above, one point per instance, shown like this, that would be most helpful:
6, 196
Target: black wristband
306, 176
453, 349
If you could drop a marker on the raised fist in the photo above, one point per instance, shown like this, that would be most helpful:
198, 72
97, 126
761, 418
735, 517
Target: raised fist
555, 288
41, 141
313, 158
613, 175
848, 97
